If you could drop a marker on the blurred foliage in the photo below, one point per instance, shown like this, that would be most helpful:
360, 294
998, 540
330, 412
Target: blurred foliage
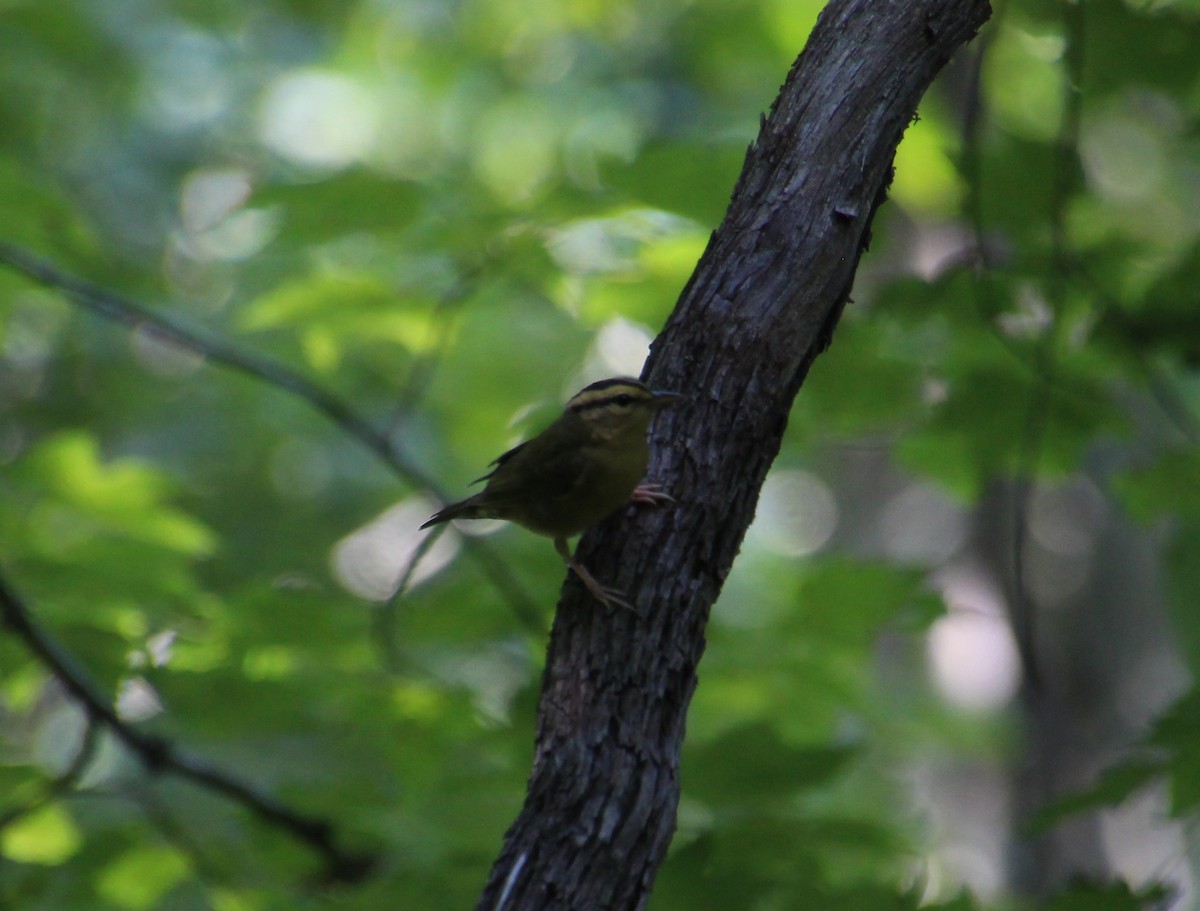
453, 214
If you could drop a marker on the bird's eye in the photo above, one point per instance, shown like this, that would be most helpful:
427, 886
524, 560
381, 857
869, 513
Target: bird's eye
624, 400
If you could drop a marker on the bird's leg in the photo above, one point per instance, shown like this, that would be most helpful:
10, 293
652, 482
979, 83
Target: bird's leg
650, 495
606, 596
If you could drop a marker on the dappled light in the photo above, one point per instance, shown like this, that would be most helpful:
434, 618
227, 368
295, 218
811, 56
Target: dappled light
371, 560
515, 150
797, 514
318, 118
920, 524
1026, 70
972, 657
215, 223
186, 84
1124, 157
279, 280
137, 700
620, 349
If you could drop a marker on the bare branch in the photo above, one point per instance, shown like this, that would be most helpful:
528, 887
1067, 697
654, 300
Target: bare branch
61, 784
160, 756
130, 313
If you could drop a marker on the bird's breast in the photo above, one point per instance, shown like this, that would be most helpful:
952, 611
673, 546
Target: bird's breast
603, 487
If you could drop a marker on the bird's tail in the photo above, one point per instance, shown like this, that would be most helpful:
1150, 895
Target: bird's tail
464, 509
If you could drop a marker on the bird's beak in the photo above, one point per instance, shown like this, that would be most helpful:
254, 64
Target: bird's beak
663, 399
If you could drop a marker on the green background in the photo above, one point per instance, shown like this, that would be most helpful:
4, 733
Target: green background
452, 216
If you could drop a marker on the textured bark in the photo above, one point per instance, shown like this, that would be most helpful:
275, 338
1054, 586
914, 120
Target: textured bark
762, 304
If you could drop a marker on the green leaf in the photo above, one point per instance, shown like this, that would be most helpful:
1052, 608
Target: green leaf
672, 177
46, 836
1183, 582
868, 382
1166, 486
1118, 896
139, 878
356, 201
1179, 732
752, 763
1115, 786
90, 498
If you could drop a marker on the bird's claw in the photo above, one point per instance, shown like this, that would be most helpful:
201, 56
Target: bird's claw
614, 597
609, 597
651, 495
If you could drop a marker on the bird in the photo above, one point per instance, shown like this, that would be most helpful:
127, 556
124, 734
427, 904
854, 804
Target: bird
579, 470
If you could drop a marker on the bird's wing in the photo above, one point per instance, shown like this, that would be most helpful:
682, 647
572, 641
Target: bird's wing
500, 460
556, 467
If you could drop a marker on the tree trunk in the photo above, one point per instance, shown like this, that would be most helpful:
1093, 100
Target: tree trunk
761, 305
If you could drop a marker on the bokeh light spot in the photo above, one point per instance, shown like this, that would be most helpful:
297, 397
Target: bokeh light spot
797, 514
971, 653
921, 525
319, 119
370, 560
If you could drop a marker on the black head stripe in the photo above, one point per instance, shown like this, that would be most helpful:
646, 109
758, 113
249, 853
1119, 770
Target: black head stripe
613, 381
624, 391
592, 404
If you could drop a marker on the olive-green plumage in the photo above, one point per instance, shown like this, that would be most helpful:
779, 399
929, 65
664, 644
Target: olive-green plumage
581, 468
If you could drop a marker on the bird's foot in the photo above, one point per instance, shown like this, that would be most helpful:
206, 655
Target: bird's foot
609, 597
651, 495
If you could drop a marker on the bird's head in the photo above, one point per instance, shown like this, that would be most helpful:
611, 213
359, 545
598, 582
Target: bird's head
619, 406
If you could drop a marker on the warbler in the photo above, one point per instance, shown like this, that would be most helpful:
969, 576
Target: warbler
577, 471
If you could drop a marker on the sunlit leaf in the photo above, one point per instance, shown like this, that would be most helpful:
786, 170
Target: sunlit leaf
92, 497
140, 877
519, 195
1096, 896
1115, 786
46, 836
1166, 486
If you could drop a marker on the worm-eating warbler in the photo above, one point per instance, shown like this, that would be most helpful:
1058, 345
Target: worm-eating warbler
578, 470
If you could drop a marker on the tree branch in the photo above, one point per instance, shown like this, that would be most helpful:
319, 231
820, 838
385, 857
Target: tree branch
760, 307
127, 312
159, 755
60, 784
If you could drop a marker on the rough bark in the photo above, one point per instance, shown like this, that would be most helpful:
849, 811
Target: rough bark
761, 305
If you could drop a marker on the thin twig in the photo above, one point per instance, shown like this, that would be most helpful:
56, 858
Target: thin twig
426, 362
1066, 154
61, 783
160, 756
979, 256
384, 627
1164, 393
1041, 365
971, 159
120, 309
127, 312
